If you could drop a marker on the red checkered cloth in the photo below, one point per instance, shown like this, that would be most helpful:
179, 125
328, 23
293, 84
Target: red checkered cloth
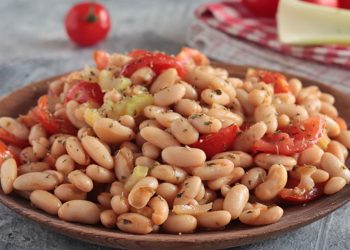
233, 18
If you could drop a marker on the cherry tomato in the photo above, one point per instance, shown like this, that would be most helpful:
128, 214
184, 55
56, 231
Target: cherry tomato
342, 123
189, 56
330, 3
51, 123
345, 4
101, 59
287, 195
264, 8
158, 62
292, 139
87, 23
215, 143
85, 92
278, 80
4, 152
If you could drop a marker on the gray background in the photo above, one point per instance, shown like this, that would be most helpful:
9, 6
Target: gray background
33, 45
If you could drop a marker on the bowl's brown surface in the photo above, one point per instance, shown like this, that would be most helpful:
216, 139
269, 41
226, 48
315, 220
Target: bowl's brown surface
236, 234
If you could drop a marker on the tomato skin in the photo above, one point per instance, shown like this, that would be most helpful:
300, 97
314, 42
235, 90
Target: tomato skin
289, 197
87, 23
11, 139
263, 8
101, 59
158, 62
215, 143
278, 80
52, 124
189, 56
138, 53
4, 152
29, 119
292, 139
330, 3
85, 92
345, 4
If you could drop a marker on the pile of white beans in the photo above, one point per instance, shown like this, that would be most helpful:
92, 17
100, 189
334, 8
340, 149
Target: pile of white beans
82, 178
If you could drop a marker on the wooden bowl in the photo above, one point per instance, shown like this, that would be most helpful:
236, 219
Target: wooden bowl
234, 235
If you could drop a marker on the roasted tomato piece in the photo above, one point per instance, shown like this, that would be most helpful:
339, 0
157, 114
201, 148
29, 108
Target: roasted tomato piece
292, 139
215, 143
51, 123
85, 92
279, 81
157, 61
289, 196
189, 56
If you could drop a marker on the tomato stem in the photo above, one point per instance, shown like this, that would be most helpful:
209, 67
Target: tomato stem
91, 17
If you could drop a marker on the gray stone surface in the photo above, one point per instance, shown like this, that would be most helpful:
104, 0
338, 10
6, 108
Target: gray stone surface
33, 45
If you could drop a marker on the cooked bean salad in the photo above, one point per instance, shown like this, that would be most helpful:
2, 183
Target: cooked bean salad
148, 142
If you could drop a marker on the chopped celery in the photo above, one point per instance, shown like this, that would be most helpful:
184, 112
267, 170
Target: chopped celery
107, 81
129, 105
91, 116
304, 23
138, 173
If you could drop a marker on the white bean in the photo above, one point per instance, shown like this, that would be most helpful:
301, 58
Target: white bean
158, 137
45, 201
81, 211
134, 223
187, 107
35, 180
334, 167
267, 160
205, 124
183, 131
8, 174
67, 192
245, 141
99, 174
97, 151
235, 200
334, 185
112, 132
183, 156
268, 115
76, 151
14, 127
180, 223
80, 180
273, 183
169, 95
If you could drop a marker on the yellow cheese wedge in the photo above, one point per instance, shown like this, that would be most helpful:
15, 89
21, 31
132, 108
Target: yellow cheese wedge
303, 23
